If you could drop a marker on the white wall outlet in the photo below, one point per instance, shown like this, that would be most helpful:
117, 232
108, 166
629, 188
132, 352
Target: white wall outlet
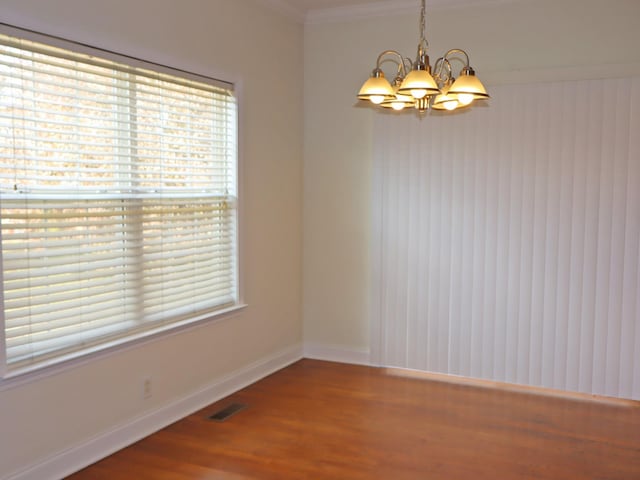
146, 388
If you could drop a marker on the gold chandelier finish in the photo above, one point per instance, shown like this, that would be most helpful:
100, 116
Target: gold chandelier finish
417, 85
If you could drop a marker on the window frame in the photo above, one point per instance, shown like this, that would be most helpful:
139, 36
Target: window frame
10, 377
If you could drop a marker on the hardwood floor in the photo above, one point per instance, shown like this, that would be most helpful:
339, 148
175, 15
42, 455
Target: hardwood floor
322, 420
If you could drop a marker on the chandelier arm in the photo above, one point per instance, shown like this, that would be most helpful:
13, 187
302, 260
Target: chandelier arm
394, 53
409, 62
437, 68
457, 50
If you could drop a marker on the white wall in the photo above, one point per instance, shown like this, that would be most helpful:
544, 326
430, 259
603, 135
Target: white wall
519, 41
238, 41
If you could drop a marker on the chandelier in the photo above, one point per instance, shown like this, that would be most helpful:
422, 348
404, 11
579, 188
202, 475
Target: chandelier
418, 85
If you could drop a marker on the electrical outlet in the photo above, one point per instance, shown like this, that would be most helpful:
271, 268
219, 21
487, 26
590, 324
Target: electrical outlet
146, 388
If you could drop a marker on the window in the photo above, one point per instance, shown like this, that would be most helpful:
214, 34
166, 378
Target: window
118, 201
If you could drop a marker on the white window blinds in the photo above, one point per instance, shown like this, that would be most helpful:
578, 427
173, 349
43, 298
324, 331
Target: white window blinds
117, 200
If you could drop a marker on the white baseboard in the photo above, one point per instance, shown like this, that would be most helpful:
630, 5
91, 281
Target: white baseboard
337, 353
75, 458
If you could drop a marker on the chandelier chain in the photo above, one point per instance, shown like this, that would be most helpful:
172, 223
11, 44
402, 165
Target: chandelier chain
423, 23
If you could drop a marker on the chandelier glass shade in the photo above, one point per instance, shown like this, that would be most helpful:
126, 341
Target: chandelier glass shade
417, 84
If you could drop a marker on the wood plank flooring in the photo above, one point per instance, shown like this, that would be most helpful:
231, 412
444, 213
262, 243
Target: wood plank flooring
322, 420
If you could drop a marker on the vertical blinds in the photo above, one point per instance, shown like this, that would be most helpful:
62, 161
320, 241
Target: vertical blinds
117, 200
508, 238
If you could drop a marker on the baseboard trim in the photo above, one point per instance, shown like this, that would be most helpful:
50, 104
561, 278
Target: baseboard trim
337, 353
106, 443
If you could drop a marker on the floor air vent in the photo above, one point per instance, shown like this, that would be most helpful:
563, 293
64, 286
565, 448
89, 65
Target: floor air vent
225, 413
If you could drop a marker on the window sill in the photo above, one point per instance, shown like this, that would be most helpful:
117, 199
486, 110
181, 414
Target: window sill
54, 366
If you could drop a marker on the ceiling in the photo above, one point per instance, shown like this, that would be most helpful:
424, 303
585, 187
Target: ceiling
304, 10
318, 10
306, 6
